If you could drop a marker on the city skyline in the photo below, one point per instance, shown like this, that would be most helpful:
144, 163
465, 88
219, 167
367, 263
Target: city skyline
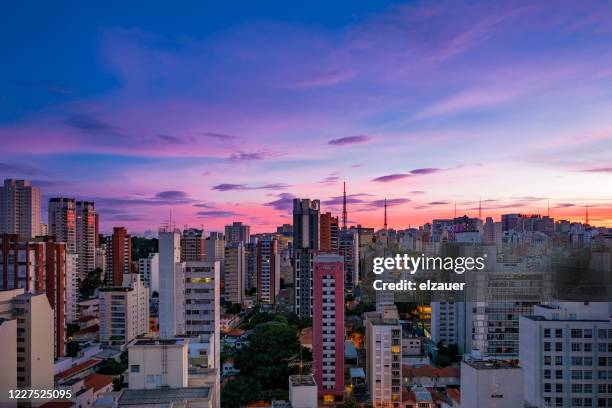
215, 114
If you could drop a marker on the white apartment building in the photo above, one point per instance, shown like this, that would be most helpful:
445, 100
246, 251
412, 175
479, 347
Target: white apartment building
303, 391
171, 285
72, 287
203, 302
31, 317
149, 272
491, 383
566, 355
19, 208
384, 356
155, 363
124, 311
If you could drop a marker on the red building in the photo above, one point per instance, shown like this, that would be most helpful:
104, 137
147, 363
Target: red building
37, 266
118, 257
328, 327
329, 233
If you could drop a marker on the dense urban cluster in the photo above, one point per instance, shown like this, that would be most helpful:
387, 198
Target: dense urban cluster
290, 318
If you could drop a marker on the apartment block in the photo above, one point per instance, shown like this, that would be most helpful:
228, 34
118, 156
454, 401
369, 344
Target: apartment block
19, 208
124, 310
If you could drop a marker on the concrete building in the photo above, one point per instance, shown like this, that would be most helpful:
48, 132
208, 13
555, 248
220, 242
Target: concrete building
149, 272
268, 269
30, 318
86, 237
62, 221
193, 245
384, 356
235, 272
215, 247
124, 310
202, 303
171, 285
330, 238
72, 287
306, 244
192, 397
328, 327
251, 264
158, 363
565, 351
488, 383
349, 249
237, 232
39, 266
118, 257
302, 391
19, 208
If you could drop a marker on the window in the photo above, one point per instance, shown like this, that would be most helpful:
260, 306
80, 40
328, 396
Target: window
546, 346
558, 333
547, 333
576, 333
576, 375
558, 360
559, 374
547, 374
135, 368
150, 378
547, 387
559, 387
558, 346
576, 347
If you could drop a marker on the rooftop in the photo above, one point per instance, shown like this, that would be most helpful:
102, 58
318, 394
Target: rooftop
98, 381
490, 364
158, 342
302, 380
162, 395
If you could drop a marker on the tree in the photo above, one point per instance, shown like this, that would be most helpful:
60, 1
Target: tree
350, 403
239, 392
443, 361
72, 349
110, 366
360, 309
118, 383
263, 317
142, 247
71, 328
92, 281
266, 357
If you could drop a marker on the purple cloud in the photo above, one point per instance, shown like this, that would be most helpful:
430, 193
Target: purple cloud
344, 141
252, 156
350, 199
423, 171
438, 203
417, 192
284, 202
599, 170
170, 139
390, 177
243, 187
217, 214
12, 168
219, 136
171, 195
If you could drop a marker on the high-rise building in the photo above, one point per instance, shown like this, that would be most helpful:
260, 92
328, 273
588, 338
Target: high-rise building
328, 327
488, 383
41, 267
329, 233
86, 237
215, 247
305, 246
62, 221
149, 272
268, 269
251, 264
349, 249
565, 351
193, 245
72, 287
124, 310
118, 257
384, 356
448, 324
235, 268
203, 303
34, 325
237, 232
19, 208
171, 285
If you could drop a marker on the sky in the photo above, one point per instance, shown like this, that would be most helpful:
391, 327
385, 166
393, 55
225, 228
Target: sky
212, 112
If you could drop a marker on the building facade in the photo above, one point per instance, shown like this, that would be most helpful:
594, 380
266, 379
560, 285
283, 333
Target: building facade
19, 208
328, 327
235, 272
306, 241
